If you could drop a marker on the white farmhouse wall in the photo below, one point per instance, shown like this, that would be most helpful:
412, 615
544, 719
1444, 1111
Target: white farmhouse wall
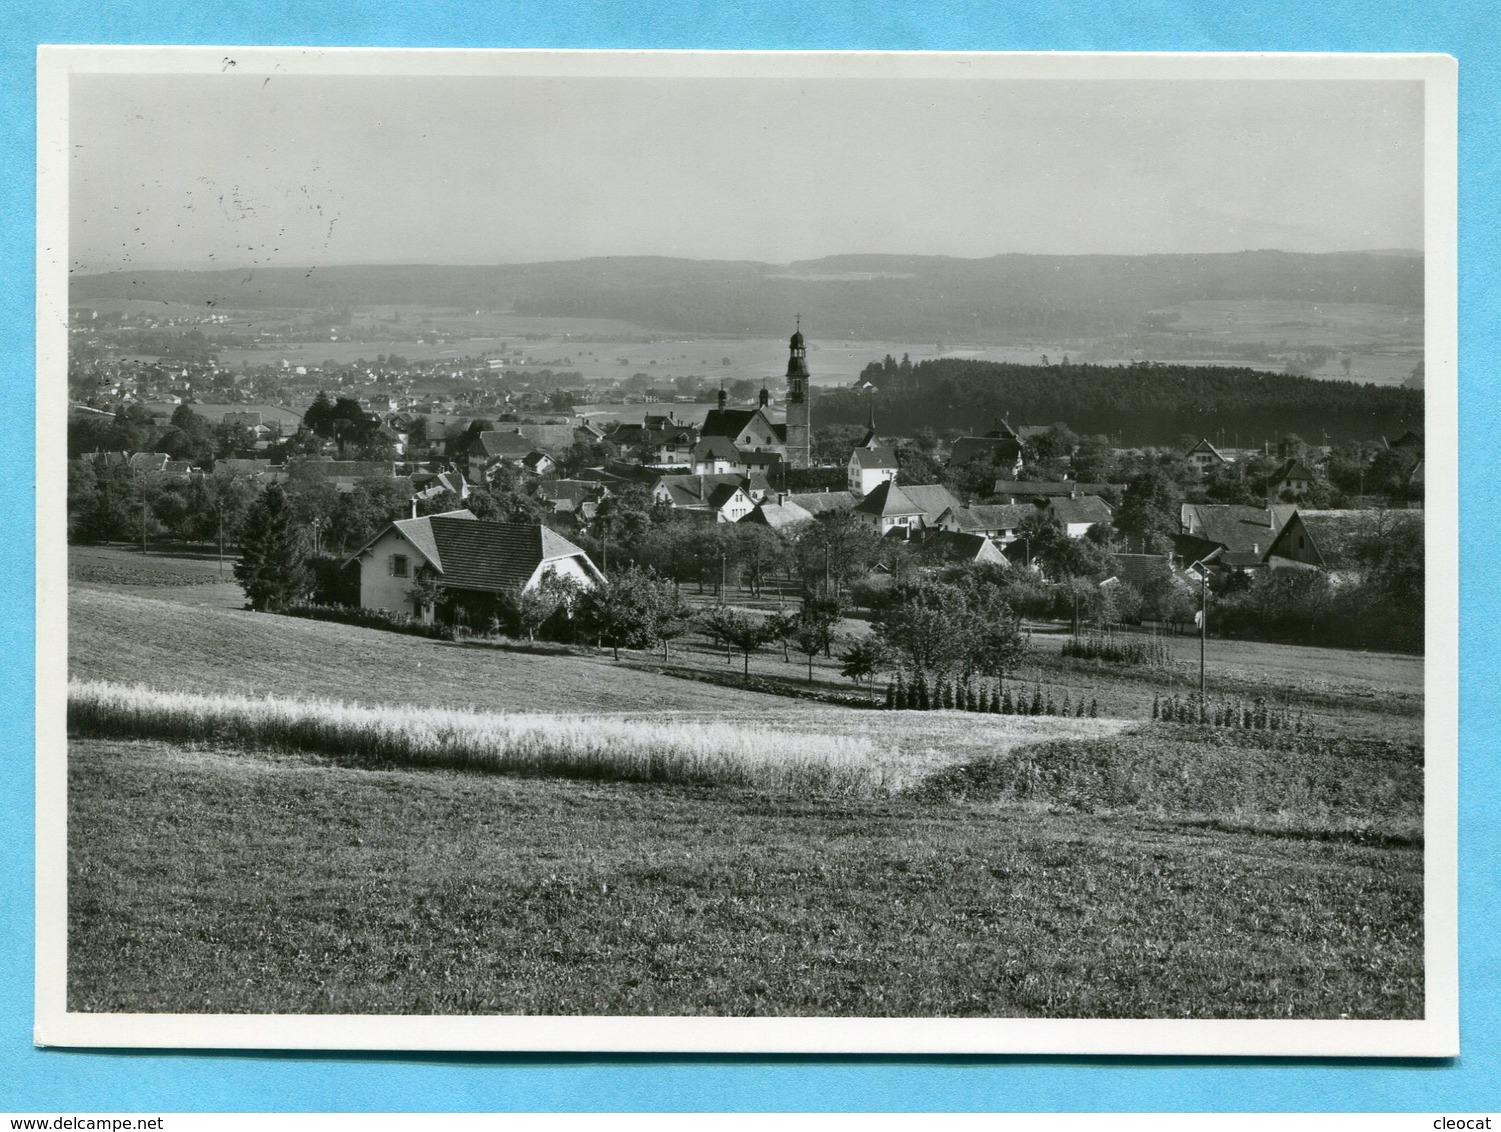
563, 568
379, 587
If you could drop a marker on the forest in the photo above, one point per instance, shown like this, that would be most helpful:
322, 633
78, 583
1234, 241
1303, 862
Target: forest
1136, 404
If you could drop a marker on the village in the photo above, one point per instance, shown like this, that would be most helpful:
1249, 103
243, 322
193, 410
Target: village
502, 526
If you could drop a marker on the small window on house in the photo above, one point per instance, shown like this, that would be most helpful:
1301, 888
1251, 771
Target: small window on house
399, 566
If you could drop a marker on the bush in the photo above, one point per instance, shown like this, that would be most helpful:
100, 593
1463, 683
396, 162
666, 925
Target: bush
373, 619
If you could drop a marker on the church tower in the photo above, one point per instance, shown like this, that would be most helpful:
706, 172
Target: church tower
799, 414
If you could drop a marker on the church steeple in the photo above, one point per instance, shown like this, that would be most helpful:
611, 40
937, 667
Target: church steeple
797, 365
799, 410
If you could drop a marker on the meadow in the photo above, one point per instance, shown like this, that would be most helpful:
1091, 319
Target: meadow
359, 842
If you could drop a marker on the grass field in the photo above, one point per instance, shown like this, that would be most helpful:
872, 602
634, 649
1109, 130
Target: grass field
224, 881
1004, 866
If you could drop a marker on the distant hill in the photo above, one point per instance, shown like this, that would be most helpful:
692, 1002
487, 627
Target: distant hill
873, 297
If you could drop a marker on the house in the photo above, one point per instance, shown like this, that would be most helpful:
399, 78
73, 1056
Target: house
933, 499
538, 463
430, 485
888, 510
1205, 456
948, 548
749, 430
1076, 514
998, 522
1291, 480
1000, 446
464, 556
869, 467
779, 512
726, 499
715, 456
574, 497
496, 446
1240, 539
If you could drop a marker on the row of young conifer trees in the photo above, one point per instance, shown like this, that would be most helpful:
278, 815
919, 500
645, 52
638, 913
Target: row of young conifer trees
992, 697
1246, 716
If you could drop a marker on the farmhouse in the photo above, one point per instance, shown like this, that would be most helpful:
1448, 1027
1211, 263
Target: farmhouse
464, 556
905, 509
1076, 514
996, 521
1237, 539
1204, 456
1291, 479
725, 499
1000, 446
945, 548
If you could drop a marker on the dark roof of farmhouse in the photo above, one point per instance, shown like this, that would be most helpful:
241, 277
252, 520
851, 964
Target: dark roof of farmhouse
876, 458
817, 502
993, 516
1079, 509
1291, 470
495, 556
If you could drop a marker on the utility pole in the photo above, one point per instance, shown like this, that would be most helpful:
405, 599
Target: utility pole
143, 526
1203, 632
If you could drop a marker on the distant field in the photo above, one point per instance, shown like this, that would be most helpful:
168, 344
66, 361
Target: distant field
1384, 342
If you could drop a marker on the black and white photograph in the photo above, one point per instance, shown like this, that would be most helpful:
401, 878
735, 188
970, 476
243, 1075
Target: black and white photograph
747, 552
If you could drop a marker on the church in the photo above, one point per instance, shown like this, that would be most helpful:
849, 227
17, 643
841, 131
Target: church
755, 431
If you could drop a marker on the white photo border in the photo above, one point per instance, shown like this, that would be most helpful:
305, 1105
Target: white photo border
1436, 1035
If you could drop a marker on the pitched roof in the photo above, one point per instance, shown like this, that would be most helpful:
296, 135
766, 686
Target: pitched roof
888, 501
695, 491
506, 445
1079, 509
1290, 470
1143, 569
960, 546
715, 448
1245, 533
1204, 446
874, 458
473, 555
778, 515
817, 502
992, 516
930, 498
728, 423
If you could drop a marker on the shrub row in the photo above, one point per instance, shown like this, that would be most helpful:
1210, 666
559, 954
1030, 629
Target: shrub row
994, 698
1257, 715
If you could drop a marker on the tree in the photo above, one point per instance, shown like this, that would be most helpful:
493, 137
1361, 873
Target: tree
673, 617
836, 546
1149, 512
863, 660
745, 631
622, 611
923, 623
361, 514
812, 636
272, 569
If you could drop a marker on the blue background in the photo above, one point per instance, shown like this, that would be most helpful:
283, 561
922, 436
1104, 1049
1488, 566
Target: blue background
49, 1081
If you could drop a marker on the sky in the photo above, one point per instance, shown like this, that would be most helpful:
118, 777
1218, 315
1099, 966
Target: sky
240, 170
